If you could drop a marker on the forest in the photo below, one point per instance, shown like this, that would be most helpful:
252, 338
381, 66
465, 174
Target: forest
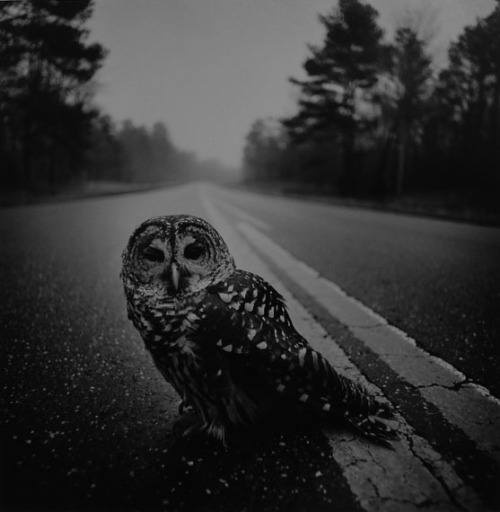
51, 131
374, 118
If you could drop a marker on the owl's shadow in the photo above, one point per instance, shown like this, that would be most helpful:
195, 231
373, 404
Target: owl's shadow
284, 464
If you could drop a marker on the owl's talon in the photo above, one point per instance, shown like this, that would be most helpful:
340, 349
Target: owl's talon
184, 407
187, 425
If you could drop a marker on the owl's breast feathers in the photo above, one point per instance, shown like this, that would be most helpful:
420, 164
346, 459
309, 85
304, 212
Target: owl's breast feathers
162, 321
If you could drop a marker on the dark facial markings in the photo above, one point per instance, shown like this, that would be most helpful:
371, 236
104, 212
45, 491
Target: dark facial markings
194, 251
153, 254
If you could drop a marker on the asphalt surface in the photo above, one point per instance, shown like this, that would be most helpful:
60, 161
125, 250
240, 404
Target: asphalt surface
86, 420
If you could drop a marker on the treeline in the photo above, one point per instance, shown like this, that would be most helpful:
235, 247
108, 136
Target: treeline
46, 71
374, 119
51, 132
137, 154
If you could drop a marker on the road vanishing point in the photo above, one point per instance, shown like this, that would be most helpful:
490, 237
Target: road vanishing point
408, 306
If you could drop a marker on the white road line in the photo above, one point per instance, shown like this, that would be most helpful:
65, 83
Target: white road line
470, 407
237, 212
413, 476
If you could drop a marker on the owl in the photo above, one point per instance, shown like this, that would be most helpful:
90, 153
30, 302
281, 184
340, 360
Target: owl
223, 338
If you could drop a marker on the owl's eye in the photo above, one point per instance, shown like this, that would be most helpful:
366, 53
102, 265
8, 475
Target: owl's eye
193, 251
153, 254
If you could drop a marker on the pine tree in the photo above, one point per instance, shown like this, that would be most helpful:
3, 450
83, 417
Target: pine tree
263, 151
468, 93
338, 75
410, 71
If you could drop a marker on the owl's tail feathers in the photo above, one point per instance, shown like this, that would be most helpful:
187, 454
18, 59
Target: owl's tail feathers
382, 409
372, 428
362, 410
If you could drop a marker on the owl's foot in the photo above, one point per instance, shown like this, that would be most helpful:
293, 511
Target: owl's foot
187, 425
185, 407
217, 431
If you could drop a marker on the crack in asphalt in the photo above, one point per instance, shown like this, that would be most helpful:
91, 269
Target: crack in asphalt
433, 470
368, 327
453, 387
466, 470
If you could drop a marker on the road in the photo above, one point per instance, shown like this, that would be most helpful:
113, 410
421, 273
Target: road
406, 305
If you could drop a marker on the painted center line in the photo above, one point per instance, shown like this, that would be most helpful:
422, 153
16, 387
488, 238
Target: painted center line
246, 217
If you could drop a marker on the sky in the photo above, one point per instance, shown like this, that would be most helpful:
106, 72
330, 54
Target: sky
209, 68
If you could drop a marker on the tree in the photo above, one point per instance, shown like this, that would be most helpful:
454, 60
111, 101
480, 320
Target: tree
46, 64
339, 74
263, 152
104, 156
148, 155
410, 70
136, 147
468, 93
163, 153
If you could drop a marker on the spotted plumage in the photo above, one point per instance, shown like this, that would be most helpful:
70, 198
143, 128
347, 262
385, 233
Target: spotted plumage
223, 338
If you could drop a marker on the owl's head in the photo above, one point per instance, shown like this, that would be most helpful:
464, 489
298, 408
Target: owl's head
177, 254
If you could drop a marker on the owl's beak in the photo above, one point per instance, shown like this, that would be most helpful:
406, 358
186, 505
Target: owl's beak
175, 275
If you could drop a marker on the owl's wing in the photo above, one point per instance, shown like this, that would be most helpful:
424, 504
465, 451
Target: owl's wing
249, 293
246, 318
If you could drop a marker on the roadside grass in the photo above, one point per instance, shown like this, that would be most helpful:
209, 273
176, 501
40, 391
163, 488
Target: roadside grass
472, 206
10, 196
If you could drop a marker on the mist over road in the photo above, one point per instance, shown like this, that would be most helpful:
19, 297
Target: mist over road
86, 420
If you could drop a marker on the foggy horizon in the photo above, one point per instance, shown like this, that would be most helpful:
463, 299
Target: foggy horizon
209, 73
